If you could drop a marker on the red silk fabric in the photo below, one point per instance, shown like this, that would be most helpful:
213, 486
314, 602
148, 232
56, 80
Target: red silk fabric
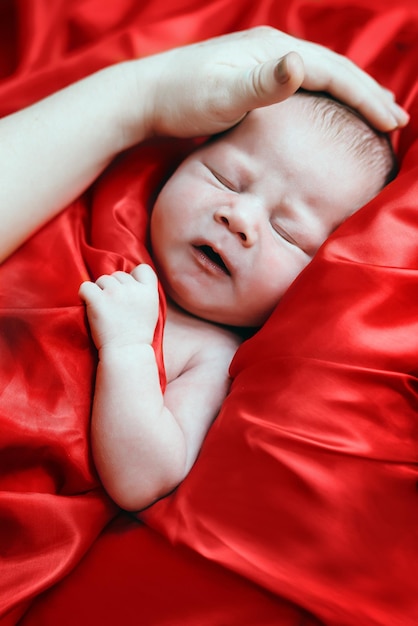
302, 507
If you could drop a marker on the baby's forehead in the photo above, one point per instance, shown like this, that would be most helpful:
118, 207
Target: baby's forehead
315, 111
267, 130
272, 121
323, 121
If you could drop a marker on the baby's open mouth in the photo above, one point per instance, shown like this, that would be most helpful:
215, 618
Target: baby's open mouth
214, 257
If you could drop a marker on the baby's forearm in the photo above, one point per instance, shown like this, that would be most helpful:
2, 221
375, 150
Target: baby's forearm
139, 449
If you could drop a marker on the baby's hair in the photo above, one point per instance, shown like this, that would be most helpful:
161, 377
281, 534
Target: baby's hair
343, 124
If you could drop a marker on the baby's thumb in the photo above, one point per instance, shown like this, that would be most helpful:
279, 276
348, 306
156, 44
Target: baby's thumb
274, 81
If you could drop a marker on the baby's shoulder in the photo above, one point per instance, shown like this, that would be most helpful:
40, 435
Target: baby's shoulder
191, 340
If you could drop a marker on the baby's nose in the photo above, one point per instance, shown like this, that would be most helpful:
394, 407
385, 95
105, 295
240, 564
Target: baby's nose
242, 220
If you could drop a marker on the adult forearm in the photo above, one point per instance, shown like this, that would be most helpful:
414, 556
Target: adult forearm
51, 151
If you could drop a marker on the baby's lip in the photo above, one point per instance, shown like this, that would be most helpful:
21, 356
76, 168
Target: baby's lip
213, 256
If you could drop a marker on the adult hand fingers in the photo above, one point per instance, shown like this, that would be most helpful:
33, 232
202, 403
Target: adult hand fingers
270, 82
328, 71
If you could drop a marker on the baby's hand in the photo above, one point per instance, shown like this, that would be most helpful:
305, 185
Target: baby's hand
122, 308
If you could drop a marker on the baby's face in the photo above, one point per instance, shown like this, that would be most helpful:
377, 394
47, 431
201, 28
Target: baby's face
242, 216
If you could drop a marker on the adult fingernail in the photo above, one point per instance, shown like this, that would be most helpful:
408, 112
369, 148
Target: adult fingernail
282, 72
400, 114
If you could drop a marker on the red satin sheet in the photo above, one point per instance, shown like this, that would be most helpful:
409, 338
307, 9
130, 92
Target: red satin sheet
302, 507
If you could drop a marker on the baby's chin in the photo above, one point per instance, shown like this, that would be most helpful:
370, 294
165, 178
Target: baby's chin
212, 311
220, 317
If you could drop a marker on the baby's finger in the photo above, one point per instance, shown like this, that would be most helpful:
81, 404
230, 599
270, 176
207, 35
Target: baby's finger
106, 281
144, 273
88, 291
122, 277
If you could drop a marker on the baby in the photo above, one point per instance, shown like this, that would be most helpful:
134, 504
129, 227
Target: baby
231, 229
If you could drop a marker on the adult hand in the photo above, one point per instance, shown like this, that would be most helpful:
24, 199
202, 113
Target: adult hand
207, 87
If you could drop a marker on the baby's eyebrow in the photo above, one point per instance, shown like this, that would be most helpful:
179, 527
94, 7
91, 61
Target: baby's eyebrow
230, 170
235, 161
305, 235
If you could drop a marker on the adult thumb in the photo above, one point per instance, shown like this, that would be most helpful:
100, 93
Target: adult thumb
274, 81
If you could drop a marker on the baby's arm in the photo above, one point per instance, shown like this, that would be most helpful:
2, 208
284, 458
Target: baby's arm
145, 443
51, 151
